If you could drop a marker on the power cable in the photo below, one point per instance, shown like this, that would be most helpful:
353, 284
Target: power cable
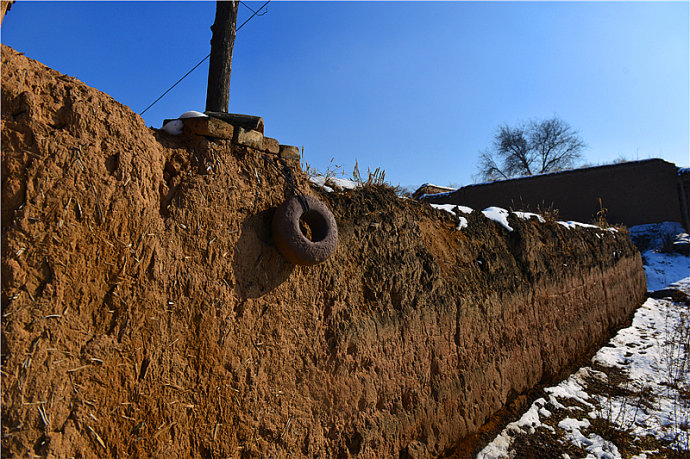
209, 55
176, 83
255, 12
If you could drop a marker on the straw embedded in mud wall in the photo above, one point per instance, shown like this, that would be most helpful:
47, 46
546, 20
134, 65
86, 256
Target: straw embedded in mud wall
147, 311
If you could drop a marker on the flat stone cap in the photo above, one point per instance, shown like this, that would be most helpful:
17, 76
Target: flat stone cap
246, 122
210, 127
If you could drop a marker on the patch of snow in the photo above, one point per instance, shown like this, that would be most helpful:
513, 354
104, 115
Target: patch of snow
321, 181
571, 424
655, 232
193, 114
572, 388
682, 238
500, 446
317, 180
499, 215
650, 352
173, 127
528, 215
462, 223
661, 268
593, 443
452, 208
344, 183
572, 225
497, 449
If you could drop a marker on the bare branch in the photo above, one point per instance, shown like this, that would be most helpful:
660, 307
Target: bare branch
538, 147
556, 144
488, 169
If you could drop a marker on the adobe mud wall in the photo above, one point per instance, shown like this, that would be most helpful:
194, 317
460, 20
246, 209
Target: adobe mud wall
632, 193
146, 311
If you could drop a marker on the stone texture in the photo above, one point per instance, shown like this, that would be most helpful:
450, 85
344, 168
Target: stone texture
211, 127
251, 139
289, 152
270, 145
246, 122
416, 450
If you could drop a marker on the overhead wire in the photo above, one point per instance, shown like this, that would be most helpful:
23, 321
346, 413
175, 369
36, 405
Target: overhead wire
255, 13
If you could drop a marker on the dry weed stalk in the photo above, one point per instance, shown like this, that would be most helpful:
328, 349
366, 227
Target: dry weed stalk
332, 170
675, 352
375, 178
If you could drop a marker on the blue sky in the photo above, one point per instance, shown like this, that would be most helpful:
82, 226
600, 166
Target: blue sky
416, 88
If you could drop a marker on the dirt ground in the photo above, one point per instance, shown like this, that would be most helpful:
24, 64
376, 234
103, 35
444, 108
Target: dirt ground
147, 313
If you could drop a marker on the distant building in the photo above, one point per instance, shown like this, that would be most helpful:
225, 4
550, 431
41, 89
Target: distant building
631, 193
429, 188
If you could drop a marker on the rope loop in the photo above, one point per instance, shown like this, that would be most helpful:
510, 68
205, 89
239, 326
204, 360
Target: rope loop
289, 178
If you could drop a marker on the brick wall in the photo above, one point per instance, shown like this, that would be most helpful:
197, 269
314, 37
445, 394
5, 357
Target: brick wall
632, 193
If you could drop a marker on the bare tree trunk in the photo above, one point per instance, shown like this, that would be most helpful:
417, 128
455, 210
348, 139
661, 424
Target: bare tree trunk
220, 64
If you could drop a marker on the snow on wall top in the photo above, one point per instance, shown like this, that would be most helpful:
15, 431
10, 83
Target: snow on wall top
500, 216
497, 214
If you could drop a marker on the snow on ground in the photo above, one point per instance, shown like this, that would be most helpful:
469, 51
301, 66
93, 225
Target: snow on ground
661, 268
634, 401
652, 399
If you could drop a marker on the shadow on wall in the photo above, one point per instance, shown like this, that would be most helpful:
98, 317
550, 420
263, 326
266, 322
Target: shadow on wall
258, 266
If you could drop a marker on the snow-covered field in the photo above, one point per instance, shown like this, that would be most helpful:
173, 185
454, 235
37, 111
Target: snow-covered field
634, 399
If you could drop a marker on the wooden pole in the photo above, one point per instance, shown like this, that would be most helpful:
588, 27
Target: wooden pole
6, 5
220, 64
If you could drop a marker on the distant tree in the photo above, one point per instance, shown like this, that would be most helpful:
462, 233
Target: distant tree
531, 148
